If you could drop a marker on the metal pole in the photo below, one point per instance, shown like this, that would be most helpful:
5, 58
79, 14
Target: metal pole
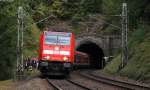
124, 35
19, 12
18, 45
20, 41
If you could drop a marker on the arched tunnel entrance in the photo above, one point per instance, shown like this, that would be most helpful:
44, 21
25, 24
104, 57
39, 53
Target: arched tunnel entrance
95, 52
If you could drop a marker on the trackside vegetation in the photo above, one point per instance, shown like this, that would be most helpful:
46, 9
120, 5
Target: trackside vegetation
139, 54
138, 66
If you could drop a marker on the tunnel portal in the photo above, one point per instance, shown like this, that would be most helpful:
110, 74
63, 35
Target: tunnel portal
94, 51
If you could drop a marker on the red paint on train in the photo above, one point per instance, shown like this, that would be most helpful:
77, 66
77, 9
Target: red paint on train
56, 51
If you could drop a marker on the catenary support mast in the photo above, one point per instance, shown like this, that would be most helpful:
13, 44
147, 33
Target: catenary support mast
19, 67
124, 34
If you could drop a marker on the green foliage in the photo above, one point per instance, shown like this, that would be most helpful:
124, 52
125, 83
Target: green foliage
8, 35
138, 67
7, 38
70, 8
31, 42
111, 7
139, 39
90, 6
137, 36
113, 66
139, 54
136, 10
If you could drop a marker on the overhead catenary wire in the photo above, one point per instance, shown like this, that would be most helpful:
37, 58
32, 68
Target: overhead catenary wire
104, 21
44, 19
35, 23
111, 24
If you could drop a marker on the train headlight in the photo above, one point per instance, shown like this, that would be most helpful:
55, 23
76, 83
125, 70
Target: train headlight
47, 57
65, 58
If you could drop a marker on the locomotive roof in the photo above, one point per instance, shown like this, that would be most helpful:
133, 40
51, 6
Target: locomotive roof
57, 33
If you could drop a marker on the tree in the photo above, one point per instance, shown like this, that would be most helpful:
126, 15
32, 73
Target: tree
8, 36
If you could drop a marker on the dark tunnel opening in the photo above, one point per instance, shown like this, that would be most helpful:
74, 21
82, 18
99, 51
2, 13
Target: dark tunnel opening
95, 52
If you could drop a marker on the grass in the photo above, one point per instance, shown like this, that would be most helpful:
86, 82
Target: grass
6, 85
32, 73
138, 66
10, 84
113, 66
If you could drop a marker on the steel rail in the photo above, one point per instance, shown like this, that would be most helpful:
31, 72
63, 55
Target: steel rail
75, 83
53, 85
68, 80
126, 85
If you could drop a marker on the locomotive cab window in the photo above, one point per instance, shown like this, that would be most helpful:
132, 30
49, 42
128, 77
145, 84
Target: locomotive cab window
50, 39
60, 40
64, 40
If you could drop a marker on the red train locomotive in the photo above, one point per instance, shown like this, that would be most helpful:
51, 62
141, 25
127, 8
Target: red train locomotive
56, 53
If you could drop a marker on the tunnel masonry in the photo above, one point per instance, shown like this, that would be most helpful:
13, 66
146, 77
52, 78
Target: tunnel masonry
99, 48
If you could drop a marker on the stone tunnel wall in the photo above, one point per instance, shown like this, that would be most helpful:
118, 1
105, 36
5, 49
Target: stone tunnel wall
107, 43
98, 48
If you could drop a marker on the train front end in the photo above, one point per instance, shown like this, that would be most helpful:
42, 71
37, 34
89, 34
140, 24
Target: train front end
56, 52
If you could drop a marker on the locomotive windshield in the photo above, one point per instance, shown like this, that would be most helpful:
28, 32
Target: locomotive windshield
50, 39
57, 39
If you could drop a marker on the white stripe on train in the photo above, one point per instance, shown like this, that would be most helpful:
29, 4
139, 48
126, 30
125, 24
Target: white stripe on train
56, 52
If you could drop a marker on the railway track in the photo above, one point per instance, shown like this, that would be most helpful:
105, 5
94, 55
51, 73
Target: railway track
66, 84
88, 80
112, 82
92, 84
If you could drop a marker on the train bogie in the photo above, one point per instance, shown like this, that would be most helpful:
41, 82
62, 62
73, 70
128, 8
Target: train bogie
55, 68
